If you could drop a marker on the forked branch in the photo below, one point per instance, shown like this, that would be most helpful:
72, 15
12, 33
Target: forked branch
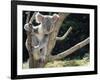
65, 35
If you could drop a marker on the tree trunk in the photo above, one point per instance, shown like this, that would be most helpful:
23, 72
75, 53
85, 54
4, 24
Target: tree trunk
53, 35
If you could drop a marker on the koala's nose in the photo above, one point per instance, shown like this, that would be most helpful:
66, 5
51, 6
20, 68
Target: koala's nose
30, 25
36, 30
48, 28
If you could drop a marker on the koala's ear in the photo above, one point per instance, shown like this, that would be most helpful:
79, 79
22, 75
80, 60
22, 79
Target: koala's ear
39, 17
55, 17
26, 27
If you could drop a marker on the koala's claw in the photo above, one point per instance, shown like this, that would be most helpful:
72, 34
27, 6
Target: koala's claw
36, 46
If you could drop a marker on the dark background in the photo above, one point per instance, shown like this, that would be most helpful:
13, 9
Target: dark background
80, 31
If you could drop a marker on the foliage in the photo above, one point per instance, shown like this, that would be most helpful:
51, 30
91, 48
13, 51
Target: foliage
67, 62
64, 63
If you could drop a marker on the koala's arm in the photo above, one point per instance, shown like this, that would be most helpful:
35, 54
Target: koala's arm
35, 41
44, 41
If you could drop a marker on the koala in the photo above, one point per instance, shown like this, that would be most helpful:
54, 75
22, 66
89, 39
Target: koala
40, 33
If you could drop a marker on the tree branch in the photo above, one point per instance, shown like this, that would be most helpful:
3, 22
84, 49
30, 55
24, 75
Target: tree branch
71, 50
28, 16
65, 35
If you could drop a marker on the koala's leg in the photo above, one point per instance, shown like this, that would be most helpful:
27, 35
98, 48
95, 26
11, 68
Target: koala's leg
43, 53
36, 53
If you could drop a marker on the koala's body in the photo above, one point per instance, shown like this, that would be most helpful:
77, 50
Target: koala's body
40, 33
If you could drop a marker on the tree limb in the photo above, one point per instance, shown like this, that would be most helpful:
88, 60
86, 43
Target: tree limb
65, 35
71, 50
28, 16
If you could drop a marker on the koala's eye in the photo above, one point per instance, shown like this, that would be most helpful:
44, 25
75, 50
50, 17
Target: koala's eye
30, 25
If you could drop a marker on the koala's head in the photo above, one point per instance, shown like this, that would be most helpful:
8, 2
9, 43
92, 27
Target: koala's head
28, 26
47, 21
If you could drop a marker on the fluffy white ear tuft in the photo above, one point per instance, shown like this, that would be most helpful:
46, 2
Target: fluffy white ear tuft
26, 27
55, 17
39, 17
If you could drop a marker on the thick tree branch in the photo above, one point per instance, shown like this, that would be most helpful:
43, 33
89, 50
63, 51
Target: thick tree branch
65, 35
71, 50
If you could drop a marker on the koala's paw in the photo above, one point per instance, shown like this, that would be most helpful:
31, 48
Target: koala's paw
36, 46
42, 60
